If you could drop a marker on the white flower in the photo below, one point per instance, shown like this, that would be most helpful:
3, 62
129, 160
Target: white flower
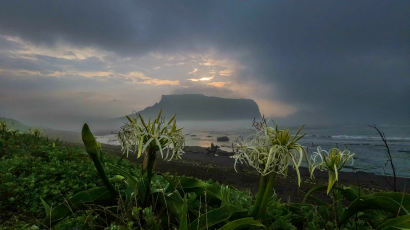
332, 161
270, 150
137, 135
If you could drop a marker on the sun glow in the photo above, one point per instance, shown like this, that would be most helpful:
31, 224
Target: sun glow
201, 79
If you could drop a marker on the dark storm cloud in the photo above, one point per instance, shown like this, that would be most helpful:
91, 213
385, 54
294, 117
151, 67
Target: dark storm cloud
338, 60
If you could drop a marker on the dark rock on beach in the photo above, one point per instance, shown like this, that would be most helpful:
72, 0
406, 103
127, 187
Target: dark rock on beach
222, 139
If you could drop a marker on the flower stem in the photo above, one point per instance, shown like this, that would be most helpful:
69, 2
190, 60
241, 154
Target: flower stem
259, 195
103, 176
266, 195
147, 168
148, 163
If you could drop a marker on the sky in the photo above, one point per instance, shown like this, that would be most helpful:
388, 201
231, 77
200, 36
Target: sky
304, 61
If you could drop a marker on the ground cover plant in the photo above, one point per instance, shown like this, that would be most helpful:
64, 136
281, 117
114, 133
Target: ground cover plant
48, 184
34, 168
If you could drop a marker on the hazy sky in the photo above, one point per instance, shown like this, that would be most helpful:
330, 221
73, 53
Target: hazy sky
336, 61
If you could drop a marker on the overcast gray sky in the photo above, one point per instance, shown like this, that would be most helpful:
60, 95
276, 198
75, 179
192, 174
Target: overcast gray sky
334, 61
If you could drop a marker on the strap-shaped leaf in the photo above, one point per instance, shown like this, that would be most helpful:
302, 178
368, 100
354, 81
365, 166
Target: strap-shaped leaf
94, 195
195, 185
89, 141
396, 223
349, 193
242, 223
94, 152
394, 202
215, 216
183, 218
332, 181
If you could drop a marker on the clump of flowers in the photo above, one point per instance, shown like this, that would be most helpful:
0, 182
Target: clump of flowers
332, 161
36, 132
3, 127
146, 138
269, 151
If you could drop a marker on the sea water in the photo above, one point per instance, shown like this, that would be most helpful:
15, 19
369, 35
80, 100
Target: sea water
364, 141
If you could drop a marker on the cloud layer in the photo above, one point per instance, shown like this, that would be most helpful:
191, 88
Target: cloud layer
333, 61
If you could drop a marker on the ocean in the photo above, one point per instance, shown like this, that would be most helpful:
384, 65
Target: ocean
364, 141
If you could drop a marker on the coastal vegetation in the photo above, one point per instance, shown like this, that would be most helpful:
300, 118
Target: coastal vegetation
49, 184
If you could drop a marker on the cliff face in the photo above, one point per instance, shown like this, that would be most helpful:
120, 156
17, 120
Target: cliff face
201, 107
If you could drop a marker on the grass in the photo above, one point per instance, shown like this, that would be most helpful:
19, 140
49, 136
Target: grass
35, 168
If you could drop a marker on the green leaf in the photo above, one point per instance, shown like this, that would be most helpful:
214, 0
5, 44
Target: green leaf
242, 223
183, 219
332, 181
89, 141
175, 204
143, 122
171, 119
130, 119
195, 185
135, 185
159, 116
349, 193
312, 190
215, 216
94, 195
397, 223
93, 150
141, 141
399, 197
394, 202
160, 147
46, 207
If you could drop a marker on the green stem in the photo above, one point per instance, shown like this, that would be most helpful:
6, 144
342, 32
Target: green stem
148, 163
266, 195
259, 195
101, 172
147, 169
335, 208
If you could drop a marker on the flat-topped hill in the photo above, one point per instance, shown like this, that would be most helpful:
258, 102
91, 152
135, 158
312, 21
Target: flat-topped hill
201, 107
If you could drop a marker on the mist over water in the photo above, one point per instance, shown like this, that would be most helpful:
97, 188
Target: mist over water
360, 139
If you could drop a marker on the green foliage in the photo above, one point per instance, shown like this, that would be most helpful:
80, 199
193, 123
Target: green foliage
396, 223
393, 202
34, 168
241, 223
390, 203
60, 211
